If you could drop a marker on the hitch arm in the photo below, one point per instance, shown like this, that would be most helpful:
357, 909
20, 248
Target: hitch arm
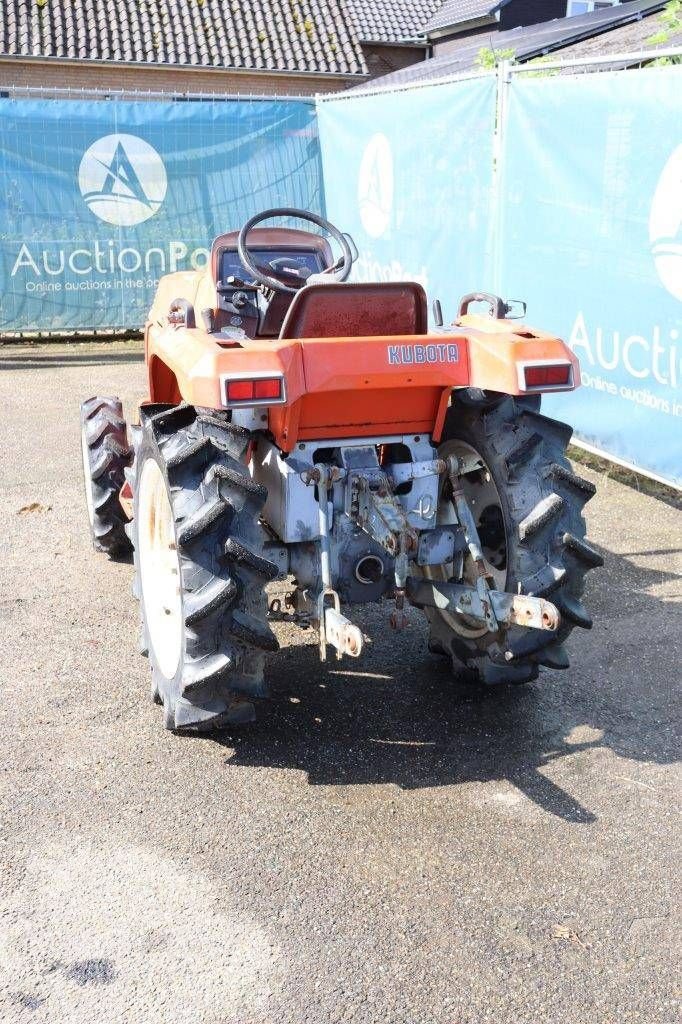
335, 629
509, 609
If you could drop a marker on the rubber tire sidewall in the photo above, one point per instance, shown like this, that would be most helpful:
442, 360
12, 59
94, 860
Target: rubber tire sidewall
169, 689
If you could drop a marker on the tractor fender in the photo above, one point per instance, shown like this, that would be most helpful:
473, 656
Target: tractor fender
498, 352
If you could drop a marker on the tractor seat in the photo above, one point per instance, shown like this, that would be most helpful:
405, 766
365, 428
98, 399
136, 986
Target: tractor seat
337, 310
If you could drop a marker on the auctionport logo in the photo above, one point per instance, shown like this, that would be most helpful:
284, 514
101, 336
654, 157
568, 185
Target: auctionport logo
375, 186
122, 179
665, 225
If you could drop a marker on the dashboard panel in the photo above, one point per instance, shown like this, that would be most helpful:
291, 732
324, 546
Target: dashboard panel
292, 260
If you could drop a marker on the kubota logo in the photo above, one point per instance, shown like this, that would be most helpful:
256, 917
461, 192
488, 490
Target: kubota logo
406, 355
122, 179
665, 225
375, 186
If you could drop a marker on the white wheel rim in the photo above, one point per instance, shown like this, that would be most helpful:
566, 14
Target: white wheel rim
488, 495
159, 569
85, 451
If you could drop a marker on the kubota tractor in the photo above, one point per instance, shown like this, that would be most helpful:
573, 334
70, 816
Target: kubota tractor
310, 429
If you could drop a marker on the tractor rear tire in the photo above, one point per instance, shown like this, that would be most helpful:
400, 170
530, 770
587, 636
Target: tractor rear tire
106, 455
201, 567
536, 540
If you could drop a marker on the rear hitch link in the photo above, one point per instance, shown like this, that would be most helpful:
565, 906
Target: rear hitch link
495, 609
483, 577
334, 628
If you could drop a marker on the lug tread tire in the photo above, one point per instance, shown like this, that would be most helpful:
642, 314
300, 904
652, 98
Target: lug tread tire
220, 544
251, 631
553, 656
109, 456
219, 595
104, 422
196, 527
582, 551
202, 445
245, 485
547, 555
564, 475
544, 512
168, 420
243, 556
524, 452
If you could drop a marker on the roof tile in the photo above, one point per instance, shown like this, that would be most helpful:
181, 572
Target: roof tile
273, 35
531, 41
391, 21
456, 12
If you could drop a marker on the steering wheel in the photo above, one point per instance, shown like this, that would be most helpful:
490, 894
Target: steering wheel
339, 270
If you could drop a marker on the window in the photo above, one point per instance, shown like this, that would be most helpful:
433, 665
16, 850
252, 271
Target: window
585, 6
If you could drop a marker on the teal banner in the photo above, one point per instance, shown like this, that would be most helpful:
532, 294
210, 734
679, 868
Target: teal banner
409, 175
591, 237
98, 199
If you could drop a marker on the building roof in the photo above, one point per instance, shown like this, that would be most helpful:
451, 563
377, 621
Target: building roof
597, 29
629, 37
456, 12
391, 21
295, 36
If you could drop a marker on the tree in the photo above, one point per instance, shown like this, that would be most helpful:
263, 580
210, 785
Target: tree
487, 58
671, 25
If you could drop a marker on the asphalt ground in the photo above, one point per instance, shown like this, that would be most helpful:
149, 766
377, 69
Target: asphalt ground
384, 845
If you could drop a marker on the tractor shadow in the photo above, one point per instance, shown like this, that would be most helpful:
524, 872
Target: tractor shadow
31, 360
399, 716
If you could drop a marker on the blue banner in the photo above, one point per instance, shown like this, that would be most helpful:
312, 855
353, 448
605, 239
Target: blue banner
591, 237
409, 175
99, 199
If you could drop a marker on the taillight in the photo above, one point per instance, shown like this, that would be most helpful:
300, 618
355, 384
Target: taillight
269, 387
239, 390
551, 375
254, 391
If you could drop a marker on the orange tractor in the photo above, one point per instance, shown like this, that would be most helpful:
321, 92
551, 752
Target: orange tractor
302, 427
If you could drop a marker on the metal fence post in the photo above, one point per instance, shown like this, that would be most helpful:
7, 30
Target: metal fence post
503, 80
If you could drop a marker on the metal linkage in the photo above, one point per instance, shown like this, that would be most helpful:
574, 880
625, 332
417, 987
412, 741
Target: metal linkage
376, 509
380, 514
335, 629
277, 613
509, 609
466, 519
482, 603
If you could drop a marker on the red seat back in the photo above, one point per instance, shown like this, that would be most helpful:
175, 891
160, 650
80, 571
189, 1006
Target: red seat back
339, 310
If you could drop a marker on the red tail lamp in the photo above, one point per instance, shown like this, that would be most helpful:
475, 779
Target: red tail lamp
254, 390
548, 375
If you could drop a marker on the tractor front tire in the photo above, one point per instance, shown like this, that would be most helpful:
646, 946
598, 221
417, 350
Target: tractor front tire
529, 517
106, 455
201, 567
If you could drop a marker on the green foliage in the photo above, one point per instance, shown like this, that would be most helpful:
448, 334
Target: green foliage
487, 59
539, 61
671, 25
